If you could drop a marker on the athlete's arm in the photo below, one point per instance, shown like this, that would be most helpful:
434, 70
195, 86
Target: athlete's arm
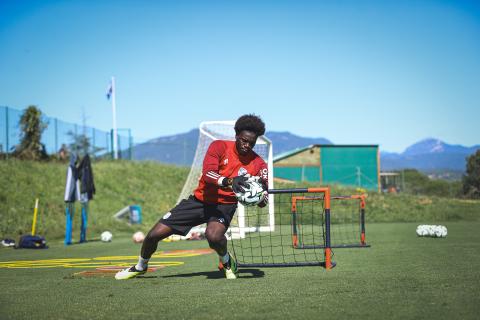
210, 172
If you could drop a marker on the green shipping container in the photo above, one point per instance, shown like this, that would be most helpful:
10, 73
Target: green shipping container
350, 165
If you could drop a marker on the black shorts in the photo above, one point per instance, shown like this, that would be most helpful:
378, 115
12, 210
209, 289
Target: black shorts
192, 212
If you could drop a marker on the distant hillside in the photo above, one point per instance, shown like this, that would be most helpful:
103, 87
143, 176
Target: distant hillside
428, 155
177, 149
180, 149
284, 141
153, 186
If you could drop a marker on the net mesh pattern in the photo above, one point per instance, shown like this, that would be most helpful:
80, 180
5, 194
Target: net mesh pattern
275, 247
345, 223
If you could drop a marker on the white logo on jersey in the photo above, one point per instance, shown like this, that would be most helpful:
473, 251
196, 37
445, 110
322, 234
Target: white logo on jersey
225, 162
264, 173
167, 215
242, 171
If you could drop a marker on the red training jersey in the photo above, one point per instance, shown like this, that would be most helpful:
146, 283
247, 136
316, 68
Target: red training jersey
222, 160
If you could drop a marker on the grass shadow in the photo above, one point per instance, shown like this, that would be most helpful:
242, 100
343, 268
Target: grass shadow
243, 273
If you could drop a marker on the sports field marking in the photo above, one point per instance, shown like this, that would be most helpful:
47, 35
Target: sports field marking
108, 271
108, 262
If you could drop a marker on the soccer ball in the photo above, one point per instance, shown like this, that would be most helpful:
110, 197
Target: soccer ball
254, 193
106, 236
138, 237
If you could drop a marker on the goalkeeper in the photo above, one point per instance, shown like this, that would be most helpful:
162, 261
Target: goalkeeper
225, 167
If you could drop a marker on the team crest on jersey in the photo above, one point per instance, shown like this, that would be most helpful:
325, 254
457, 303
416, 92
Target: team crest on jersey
242, 171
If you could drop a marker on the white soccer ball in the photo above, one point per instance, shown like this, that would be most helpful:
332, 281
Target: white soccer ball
444, 231
420, 231
106, 236
254, 193
138, 237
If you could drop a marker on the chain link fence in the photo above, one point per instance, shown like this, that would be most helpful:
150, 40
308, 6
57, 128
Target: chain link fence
60, 136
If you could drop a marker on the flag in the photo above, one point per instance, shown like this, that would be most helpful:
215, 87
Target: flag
109, 91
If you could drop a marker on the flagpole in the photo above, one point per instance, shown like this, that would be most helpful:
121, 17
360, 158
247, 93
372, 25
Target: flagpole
114, 115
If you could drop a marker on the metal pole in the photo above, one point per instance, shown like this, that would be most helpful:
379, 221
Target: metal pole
7, 133
56, 134
115, 150
111, 143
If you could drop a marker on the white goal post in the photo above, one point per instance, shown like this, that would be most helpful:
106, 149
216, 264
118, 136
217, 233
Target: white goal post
224, 130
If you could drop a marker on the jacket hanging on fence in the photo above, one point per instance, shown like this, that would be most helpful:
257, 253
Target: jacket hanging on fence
72, 186
85, 176
79, 184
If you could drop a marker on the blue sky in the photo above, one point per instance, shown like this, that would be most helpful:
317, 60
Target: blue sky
354, 72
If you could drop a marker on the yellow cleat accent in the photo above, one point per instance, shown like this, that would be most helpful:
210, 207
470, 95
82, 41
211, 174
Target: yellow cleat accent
128, 273
231, 269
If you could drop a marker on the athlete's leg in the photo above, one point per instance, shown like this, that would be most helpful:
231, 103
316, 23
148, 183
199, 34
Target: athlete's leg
215, 234
159, 232
149, 246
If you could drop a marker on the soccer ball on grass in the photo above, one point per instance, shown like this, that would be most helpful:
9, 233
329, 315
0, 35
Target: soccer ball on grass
138, 237
106, 236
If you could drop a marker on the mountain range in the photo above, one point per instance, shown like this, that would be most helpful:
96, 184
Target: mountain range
428, 155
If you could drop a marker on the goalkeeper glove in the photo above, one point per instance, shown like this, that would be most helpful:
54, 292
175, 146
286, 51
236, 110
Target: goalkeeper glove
236, 183
263, 182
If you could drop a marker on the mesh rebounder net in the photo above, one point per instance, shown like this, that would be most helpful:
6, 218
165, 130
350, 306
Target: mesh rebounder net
347, 223
275, 247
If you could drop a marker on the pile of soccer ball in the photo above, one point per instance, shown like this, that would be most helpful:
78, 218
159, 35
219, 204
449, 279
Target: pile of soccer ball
425, 230
254, 192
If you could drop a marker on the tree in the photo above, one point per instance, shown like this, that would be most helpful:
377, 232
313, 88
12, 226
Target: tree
471, 179
81, 144
32, 127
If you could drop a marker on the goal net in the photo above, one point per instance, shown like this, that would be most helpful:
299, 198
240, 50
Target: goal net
347, 222
274, 248
224, 130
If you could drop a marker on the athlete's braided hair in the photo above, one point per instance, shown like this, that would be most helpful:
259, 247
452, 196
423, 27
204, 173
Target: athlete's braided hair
250, 122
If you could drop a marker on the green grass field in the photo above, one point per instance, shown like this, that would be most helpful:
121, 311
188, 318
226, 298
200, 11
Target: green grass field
401, 276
